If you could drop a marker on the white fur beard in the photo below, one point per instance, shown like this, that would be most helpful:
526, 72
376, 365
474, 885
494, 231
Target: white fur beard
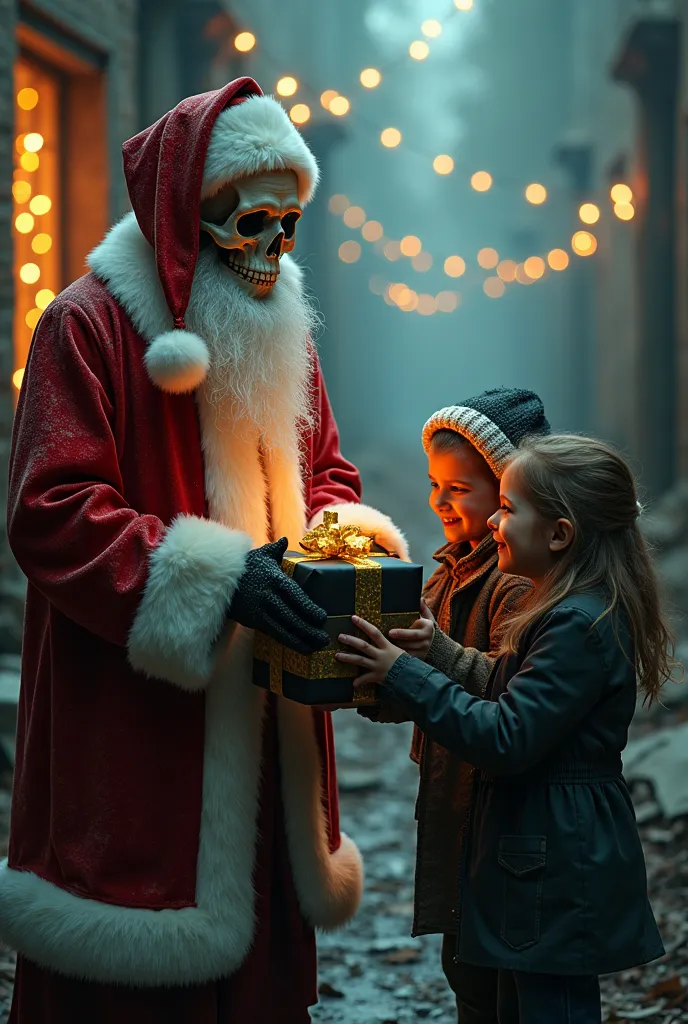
260, 364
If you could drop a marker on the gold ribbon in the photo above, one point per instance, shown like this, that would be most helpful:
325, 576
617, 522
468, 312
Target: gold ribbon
332, 540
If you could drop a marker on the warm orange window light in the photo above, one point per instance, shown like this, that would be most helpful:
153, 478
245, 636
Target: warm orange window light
36, 185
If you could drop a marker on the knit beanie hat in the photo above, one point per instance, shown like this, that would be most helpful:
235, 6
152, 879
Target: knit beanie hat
494, 422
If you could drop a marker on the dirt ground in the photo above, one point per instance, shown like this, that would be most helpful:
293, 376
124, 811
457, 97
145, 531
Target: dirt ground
374, 973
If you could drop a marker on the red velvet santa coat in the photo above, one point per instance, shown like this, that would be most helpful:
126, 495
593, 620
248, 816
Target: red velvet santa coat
139, 742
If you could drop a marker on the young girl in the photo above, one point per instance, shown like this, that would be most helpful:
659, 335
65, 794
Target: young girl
553, 884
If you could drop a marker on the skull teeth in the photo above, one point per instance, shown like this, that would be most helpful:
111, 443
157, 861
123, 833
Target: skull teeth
253, 276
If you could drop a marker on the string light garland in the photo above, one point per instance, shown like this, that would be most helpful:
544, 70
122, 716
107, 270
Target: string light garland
504, 271
531, 270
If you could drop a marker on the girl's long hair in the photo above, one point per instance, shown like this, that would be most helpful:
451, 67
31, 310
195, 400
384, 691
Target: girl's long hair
588, 483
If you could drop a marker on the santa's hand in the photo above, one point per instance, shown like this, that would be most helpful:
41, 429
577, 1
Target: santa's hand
267, 599
418, 639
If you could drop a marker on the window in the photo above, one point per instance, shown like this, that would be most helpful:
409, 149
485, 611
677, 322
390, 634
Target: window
36, 192
60, 184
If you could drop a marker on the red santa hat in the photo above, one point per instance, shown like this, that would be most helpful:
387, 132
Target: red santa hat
204, 142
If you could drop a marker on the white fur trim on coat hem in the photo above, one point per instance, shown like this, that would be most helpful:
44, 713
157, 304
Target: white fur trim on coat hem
256, 136
85, 938
371, 522
193, 575
329, 885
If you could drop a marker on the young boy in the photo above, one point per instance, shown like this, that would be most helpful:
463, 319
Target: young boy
467, 447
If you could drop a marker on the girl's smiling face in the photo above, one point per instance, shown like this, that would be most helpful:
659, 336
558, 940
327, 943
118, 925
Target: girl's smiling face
528, 545
463, 492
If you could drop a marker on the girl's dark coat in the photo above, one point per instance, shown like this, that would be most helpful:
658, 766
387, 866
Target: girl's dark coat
553, 874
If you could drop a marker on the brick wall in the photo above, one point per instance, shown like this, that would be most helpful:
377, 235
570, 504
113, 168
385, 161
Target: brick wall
108, 26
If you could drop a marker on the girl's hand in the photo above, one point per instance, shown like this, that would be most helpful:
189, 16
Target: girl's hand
375, 658
419, 637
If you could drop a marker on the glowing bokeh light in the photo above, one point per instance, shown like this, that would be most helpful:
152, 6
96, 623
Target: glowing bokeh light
589, 213
370, 78
431, 28
419, 49
338, 204
558, 259
29, 161
300, 113
392, 251
446, 302
494, 287
624, 211
44, 297
24, 223
244, 42
507, 270
349, 251
426, 305
621, 193
422, 262
340, 106
534, 267
454, 266
40, 205
21, 190
488, 258
287, 86
29, 273
41, 244
372, 230
443, 164
33, 142
584, 243
481, 181
390, 137
27, 99
536, 193
410, 245
354, 217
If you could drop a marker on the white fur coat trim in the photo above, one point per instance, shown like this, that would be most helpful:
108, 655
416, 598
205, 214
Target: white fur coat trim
256, 136
371, 522
192, 577
109, 944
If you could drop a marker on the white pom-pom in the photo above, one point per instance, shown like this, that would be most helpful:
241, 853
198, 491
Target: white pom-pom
177, 361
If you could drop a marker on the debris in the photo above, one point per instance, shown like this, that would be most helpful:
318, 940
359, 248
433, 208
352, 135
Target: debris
661, 758
325, 989
405, 955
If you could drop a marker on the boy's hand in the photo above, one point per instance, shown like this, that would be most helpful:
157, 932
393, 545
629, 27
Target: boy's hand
419, 637
375, 657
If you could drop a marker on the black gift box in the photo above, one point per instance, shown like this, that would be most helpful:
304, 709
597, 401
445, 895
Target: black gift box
387, 594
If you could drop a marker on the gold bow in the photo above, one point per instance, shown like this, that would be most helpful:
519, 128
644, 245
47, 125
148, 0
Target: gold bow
330, 540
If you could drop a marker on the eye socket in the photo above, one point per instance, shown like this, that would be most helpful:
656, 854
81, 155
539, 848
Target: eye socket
289, 224
252, 223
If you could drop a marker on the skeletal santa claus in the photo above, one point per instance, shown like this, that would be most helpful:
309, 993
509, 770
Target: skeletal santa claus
175, 833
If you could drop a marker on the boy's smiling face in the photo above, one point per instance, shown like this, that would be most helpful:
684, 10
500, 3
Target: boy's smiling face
464, 491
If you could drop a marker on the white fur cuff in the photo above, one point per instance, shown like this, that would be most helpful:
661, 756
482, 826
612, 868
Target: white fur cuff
371, 522
193, 576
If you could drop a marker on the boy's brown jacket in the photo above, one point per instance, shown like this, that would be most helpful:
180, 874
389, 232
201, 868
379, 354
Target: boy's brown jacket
472, 601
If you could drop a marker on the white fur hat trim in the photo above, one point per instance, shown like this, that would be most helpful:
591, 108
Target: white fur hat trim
177, 361
253, 137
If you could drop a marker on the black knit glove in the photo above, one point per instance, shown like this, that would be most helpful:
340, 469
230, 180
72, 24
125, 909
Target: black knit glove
267, 599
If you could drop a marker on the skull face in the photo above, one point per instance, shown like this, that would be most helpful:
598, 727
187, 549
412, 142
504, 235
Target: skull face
252, 221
